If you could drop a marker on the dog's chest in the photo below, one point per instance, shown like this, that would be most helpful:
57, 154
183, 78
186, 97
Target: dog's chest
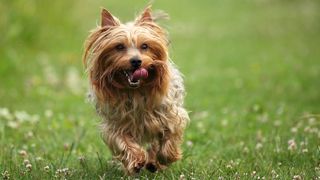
134, 117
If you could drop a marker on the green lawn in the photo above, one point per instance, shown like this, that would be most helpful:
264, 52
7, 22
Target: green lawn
252, 73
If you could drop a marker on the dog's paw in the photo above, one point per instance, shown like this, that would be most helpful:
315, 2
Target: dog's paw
137, 168
152, 167
134, 168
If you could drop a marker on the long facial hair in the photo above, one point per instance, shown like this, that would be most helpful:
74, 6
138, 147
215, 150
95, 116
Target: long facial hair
105, 65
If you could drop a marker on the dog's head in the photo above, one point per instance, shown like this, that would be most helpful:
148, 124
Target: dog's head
127, 57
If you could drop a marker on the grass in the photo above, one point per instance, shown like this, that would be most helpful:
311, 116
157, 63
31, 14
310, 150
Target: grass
252, 75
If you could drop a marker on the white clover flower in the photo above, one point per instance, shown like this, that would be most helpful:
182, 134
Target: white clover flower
311, 120
5, 113
189, 143
307, 129
297, 177
46, 168
34, 119
13, 124
182, 177
29, 167
246, 150
294, 129
29, 134
277, 123
259, 146
292, 145
305, 150
23, 153
5, 175
21, 116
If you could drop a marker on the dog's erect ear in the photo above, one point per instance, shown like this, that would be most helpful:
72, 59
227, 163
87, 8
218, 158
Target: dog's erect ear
146, 15
107, 19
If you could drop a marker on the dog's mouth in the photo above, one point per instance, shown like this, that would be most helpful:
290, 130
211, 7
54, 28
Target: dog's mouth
132, 82
135, 76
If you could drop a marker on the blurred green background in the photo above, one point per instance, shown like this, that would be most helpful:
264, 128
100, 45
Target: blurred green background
251, 70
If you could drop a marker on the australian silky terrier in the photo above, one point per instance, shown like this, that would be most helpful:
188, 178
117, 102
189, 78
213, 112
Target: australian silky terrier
137, 91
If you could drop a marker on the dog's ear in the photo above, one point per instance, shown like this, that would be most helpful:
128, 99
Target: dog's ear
107, 19
145, 16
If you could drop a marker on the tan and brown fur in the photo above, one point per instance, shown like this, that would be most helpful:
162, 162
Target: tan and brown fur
143, 126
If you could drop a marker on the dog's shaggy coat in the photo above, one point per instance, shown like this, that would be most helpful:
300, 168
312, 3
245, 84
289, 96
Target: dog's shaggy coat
149, 115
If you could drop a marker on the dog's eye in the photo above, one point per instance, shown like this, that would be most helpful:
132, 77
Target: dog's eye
120, 47
144, 46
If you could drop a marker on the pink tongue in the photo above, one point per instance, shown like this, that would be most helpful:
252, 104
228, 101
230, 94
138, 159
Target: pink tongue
140, 73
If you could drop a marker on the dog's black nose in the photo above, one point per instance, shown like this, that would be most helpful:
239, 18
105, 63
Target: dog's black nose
135, 62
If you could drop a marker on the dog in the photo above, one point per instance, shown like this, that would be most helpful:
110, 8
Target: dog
137, 90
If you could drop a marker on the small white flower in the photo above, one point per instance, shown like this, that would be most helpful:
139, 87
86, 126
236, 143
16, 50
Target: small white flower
21, 116
34, 119
13, 124
46, 168
292, 145
189, 143
311, 120
23, 153
259, 146
296, 177
294, 129
246, 150
277, 123
5, 175
303, 143
263, 118
305, 150
29, 167
181, 177
5, 113
29, 134
307, 129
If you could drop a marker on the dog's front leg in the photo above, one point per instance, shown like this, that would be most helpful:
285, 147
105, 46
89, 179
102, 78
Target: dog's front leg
130, 153
169, 149
152, 164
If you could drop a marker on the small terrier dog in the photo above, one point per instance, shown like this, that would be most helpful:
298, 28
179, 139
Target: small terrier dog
137, 91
